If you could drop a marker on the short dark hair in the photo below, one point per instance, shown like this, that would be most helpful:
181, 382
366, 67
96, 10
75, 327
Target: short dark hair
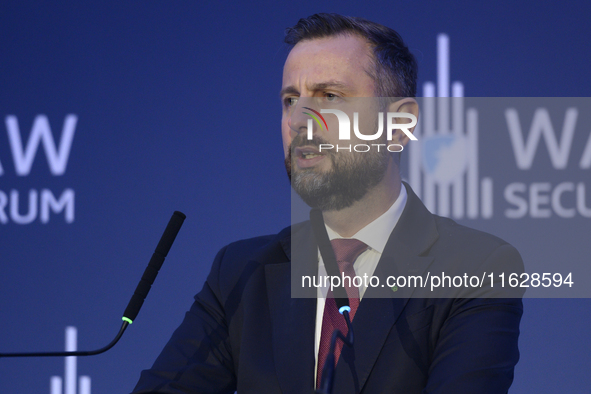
395, 68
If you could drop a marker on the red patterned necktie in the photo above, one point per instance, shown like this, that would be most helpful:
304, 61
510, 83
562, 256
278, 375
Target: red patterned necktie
346, 252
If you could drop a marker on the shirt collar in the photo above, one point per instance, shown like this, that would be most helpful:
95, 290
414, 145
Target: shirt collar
376, 234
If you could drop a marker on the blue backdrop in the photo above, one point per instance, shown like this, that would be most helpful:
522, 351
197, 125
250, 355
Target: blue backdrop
176, 108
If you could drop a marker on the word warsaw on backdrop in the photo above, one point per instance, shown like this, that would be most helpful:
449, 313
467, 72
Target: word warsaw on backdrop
38, 204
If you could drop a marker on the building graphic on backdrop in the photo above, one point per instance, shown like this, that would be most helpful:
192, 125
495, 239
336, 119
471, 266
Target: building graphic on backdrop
69, 383
443, 163
26, 206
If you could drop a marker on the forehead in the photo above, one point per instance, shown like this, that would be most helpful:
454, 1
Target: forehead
345, 58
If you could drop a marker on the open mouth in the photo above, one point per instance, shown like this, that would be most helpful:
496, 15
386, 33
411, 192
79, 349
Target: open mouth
307, 152
307, 156
310, 155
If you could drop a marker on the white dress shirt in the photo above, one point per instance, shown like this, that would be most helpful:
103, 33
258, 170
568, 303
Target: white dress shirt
375, 235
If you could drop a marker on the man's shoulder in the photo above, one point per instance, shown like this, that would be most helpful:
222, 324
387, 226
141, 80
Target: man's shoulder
466, 247
442, 236
259, 250
240, 261
260, 247
451, 231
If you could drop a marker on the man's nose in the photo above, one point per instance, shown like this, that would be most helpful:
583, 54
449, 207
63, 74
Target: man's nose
300, 118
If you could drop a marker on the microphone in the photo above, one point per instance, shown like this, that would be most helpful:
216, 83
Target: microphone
341, 299
328, 372
137, 300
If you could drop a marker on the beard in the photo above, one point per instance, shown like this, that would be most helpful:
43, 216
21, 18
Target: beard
351, 176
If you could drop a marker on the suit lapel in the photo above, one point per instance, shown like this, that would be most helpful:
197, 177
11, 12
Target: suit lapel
381, 306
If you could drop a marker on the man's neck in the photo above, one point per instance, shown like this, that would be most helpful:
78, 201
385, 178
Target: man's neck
347, 222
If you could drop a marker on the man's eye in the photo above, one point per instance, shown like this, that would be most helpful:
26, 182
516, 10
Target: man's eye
332, 97
290, 101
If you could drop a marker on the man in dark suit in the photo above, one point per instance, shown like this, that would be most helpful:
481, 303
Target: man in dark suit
251, 328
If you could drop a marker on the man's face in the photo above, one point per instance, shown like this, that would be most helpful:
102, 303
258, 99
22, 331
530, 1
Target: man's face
325, 73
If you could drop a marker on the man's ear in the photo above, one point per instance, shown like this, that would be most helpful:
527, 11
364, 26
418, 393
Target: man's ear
406, 105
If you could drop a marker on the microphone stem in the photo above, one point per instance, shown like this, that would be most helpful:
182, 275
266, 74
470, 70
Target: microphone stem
68, 354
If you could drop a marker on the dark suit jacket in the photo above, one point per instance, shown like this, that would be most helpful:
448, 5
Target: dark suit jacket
245, 332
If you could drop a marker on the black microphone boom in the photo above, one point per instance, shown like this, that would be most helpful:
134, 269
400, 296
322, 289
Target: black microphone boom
142, 289
133, 308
